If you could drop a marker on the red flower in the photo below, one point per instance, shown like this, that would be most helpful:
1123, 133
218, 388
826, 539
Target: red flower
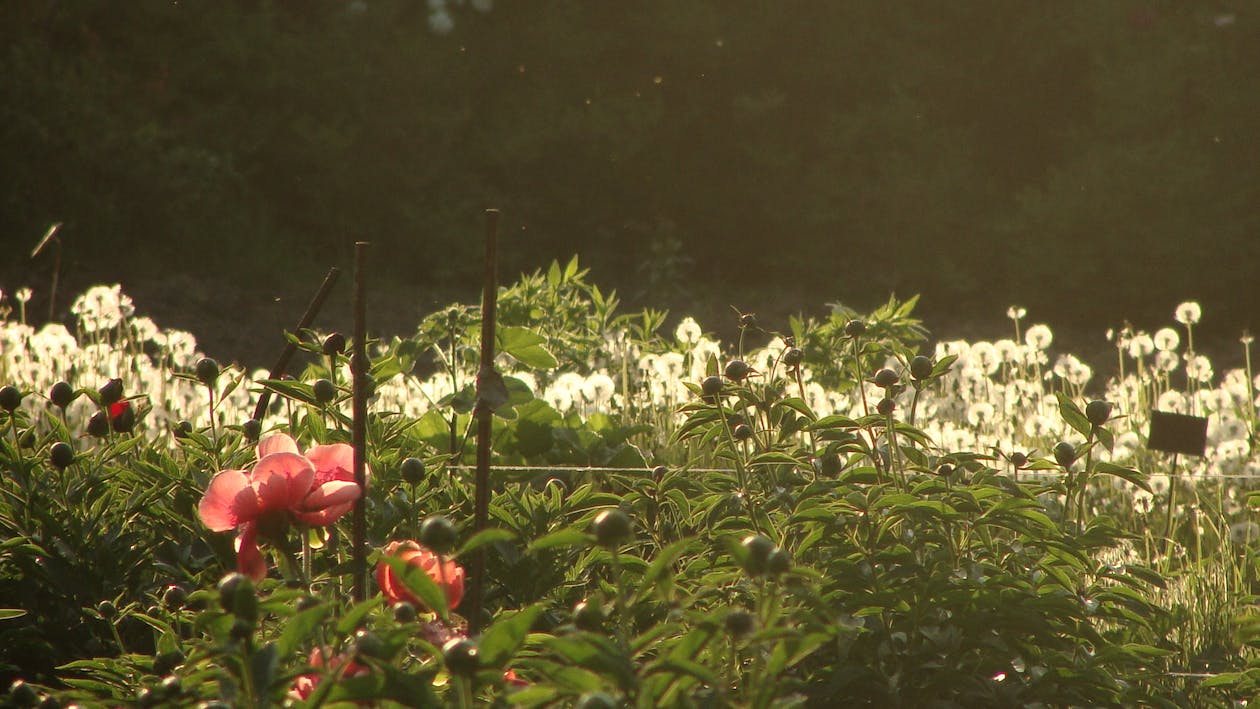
445, 573
283, 486
304, 685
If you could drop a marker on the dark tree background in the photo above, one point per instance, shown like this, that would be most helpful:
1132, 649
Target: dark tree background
1094, 162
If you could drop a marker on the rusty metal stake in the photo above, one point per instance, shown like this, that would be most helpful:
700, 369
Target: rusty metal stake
491, 394
291, 348
360, 370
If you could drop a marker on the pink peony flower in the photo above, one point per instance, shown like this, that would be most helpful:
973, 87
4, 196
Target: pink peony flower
445, 573
283, 486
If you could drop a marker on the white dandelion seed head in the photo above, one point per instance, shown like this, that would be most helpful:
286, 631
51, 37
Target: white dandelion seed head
1172, 402
1140, 345
1188, 313
688, 331
1039, 337
1008, 352
1199, 367
1167, 361
1166, 339
984, 356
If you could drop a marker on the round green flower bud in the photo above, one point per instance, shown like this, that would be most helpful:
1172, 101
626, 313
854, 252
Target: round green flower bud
779, 562
742, 432
61, 455
412, 470
438, 534
460, 657
1064, 453
711, 386
759, 549
611, 527
588, 616
10, 398
170, 687
251, 429
165, 662
740, 623
111, 392
404, 612
334, 344
61, 394
325, 391
369, 644
886, 406
737, 370
23, 694
207, 371
854, 328
107, 609
236, 595
793, 357
886, 378
1098, 411
921, 367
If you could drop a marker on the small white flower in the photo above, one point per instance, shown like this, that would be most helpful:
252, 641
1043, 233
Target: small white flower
1015, 312
23, 295
1188, 313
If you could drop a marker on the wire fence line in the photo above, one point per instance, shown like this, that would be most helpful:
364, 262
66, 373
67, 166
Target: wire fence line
647, 471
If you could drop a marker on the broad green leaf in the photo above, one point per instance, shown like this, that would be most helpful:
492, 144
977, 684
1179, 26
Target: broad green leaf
525, 346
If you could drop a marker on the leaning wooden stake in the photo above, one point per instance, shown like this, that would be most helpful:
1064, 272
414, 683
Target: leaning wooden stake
359, 373
491, 393
291, 348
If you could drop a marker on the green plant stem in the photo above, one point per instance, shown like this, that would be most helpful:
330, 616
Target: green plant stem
619, 603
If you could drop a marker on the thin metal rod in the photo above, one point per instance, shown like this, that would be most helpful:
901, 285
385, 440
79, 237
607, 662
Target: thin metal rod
485, 414
290, 349
359, 373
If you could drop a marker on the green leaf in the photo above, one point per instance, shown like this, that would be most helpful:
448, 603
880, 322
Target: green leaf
7, 613
500, 641
568, 537
484, 537
298, 628
525, 346
1073, 415
292, 389
354, 617
657, 576
1136, 477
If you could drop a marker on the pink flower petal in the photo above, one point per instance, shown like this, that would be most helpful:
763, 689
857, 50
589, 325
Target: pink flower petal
277, 443
228, 501
328, 502
283, 480
249, 560
333, 461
